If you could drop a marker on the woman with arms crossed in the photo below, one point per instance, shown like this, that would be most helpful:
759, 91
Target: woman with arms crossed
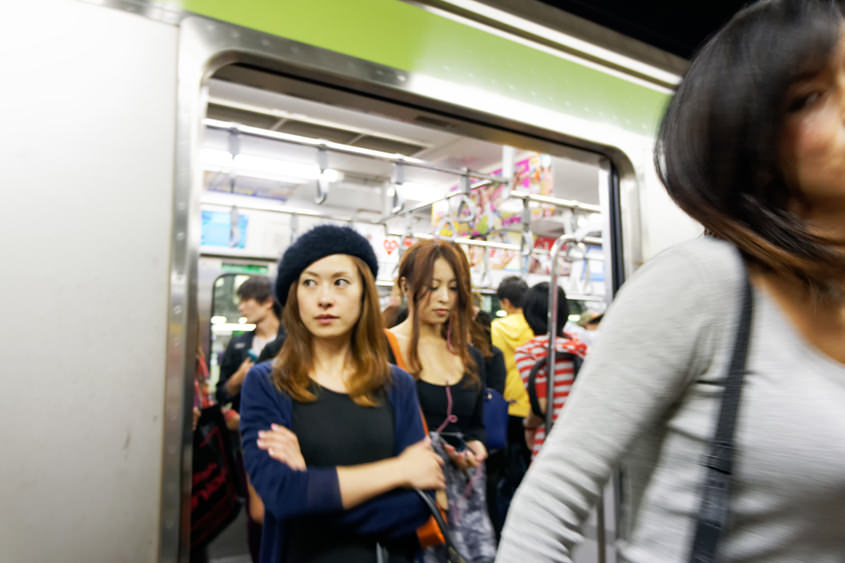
332, 435
753, 147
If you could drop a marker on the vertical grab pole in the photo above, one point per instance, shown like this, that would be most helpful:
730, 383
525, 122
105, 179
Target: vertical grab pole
552, 323
550, 375
525, 249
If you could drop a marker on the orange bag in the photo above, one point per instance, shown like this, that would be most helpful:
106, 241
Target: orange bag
429, 534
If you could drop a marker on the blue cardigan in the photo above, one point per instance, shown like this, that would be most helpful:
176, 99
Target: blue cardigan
287, 493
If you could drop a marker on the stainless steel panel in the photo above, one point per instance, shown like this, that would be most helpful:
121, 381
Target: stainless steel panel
87, 160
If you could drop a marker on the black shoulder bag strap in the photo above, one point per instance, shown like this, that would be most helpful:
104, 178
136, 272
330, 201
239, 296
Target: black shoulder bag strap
539, 365
533, 400
452, 553
713, 510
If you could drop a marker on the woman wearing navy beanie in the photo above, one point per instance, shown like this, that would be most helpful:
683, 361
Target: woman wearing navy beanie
332, 436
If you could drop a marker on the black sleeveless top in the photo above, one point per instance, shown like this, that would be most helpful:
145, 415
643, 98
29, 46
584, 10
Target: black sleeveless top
334, 431
467, 401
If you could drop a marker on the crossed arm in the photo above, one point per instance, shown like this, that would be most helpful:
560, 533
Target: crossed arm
370, 498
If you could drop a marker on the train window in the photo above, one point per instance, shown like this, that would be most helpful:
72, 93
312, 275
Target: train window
226, 321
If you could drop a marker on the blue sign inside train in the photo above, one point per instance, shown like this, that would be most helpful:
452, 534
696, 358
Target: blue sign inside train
217, 229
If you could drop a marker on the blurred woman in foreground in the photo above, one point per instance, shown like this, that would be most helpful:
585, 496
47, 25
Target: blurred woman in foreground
753, 147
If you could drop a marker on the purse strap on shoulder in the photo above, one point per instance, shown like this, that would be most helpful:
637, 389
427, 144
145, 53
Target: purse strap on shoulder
713, 510
395, 357
393, 351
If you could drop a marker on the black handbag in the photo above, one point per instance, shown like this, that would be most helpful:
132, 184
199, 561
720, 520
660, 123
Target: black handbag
216, 488
713, 510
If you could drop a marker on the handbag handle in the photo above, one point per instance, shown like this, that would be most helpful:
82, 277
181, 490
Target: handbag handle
453, 555
713, 510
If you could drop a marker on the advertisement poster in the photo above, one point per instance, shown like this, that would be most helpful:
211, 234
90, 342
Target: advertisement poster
491, 220
387, 249
217, 229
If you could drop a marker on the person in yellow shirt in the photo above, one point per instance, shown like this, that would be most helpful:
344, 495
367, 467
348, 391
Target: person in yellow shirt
508, 334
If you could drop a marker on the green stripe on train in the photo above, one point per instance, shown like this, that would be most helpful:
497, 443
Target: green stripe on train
406, 37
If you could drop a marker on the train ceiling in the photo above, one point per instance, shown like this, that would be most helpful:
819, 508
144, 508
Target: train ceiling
361, 188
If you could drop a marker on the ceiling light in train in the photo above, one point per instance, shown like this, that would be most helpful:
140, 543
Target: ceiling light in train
415, 191
289, 172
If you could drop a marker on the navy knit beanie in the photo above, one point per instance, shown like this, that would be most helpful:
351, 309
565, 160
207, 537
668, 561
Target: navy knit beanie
319, 242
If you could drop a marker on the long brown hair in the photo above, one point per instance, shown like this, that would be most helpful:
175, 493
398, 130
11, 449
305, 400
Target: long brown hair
369, 350
416, 269
479, 334
719, 146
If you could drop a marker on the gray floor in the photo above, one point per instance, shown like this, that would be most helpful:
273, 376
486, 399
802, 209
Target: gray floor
231, 545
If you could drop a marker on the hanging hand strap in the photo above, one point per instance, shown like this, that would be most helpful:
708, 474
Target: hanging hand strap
713, 510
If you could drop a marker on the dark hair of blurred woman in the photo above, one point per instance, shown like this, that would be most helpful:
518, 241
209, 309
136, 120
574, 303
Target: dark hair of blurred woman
721, 146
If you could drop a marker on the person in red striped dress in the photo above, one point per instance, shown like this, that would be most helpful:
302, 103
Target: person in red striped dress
535, 309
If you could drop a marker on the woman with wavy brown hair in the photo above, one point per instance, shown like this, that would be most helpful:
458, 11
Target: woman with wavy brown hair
434, 344
332, 436
751, 325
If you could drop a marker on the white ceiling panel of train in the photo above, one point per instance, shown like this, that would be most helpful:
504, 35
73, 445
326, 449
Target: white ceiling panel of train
288, 172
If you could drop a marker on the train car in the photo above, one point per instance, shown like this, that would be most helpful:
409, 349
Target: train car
125, 238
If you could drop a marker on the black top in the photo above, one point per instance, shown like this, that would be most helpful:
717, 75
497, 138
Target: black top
235, 354
467, 404
495, 370
334, 431
272, 349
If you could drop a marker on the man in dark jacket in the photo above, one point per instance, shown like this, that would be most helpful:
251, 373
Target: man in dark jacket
259, 307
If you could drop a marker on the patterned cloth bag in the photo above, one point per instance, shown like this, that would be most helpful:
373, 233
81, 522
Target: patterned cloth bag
469, 523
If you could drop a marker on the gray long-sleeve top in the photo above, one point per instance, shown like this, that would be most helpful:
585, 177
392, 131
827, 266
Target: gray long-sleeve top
647, 398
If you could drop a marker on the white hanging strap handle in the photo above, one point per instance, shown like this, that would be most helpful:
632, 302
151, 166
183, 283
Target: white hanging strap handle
465, 212
446, 222
397, 178
234, 141
322, 181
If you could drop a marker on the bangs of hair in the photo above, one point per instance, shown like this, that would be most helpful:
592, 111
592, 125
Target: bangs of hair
718, 148
369, 350
417, 269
